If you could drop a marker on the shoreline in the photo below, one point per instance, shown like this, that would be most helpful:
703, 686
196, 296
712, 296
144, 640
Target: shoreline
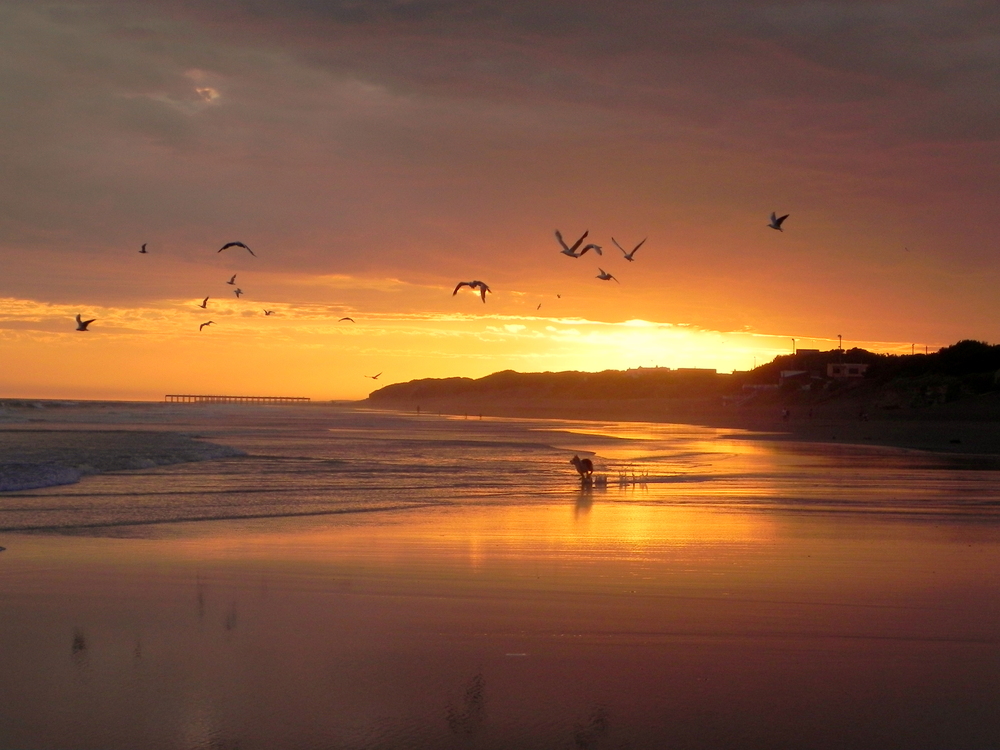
958, 431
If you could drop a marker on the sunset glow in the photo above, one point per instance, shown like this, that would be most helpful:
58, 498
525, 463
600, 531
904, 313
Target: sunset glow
375, 156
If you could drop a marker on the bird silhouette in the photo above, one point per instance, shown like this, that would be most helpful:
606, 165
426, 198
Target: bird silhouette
237, 244
81, 325
776, 221
591, 246
269, 312
237, 291
480, 285
205, 324
605, 276
143, 248
571, 251
204, 303
343, 319
628, 256
373, 377
232, 281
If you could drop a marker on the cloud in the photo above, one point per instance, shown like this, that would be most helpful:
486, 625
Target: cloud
415, 144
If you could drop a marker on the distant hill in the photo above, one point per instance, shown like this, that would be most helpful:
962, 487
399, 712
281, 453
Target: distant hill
610, 384
890, 381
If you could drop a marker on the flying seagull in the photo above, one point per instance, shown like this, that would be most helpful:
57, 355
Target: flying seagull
204, 303
591, 246
81, 325
480, 285
237, 291
373, 377
269, 312
343, 319
232, 280
571, 251
143, 248
237, 244
605, 276
205, 324
539, 306
776, 221
628, 256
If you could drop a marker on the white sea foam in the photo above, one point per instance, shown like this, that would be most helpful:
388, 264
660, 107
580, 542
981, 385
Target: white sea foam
36, 458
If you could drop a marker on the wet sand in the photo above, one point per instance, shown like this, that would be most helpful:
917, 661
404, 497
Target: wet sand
799, 597
583, 626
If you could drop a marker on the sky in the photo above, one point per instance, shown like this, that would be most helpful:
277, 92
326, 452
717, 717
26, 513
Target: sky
374, 153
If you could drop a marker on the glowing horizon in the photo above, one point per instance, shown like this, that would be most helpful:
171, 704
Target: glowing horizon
301, 349
373, 155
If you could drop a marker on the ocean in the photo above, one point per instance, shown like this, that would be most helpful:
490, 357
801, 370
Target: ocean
330, 577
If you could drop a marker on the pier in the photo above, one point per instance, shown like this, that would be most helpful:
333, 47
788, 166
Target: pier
177, 398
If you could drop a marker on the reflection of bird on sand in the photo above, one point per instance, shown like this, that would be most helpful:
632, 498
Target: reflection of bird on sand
204, 303
628, 256
583, 465
480, 285
81, 325
373, 377
776, 221
205, 324
237, 244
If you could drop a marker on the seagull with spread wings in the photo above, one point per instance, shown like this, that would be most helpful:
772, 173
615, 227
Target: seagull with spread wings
237, 244
237, 291
605, 276
205, 324
776, 221
343, 319
373, 377
628, 256
143, 249
571, 251
480, 285
268, 312
81, 325
232, 281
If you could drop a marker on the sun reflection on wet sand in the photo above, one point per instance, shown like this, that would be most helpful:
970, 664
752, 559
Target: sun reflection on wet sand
743, 594
401, 626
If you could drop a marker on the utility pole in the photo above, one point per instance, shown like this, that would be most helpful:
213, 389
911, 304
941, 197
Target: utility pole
912, 346
840, 342
793, 346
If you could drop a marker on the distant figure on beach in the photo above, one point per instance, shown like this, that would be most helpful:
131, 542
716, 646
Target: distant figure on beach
785, 415
583, 465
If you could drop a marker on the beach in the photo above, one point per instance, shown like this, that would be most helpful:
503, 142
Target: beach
356, 579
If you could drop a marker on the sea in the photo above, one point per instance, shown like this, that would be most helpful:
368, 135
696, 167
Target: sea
325, 576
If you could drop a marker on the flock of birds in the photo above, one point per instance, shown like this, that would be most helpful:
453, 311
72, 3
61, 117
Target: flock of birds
576, 250
81, 325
